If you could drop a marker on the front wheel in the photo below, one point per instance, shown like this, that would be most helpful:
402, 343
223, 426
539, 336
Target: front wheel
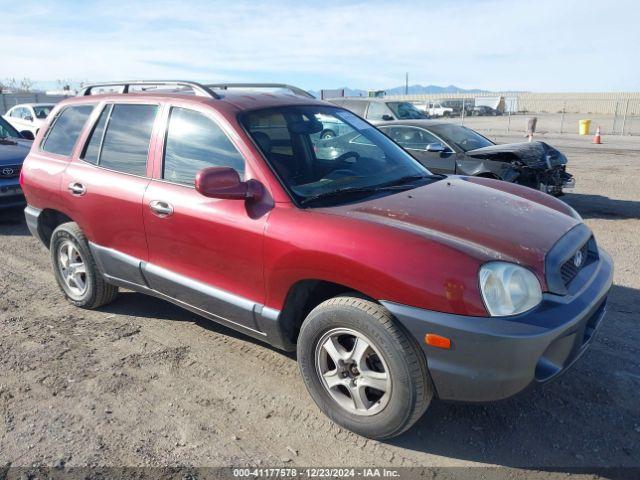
327, 135
362, 369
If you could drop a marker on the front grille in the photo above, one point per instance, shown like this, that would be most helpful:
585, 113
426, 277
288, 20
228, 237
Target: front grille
9, 171
569, 270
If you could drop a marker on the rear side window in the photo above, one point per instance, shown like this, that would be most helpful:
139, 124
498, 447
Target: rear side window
355, 106
64, 132
376, 111
195, 142
120, 140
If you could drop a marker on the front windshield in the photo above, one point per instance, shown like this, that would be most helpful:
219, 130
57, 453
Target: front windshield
313, 164
463, 138
405, 110
42, 111
7, 130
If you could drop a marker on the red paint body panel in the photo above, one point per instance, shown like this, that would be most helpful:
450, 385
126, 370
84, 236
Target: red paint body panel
110, 212
381, 262
422, 247
216, 242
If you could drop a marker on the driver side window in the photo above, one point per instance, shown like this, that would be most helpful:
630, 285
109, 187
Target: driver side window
194, 142
410, 137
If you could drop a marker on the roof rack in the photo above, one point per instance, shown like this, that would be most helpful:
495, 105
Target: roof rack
291, 88
198, 89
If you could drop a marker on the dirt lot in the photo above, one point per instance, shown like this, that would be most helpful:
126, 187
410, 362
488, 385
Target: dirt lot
143, 383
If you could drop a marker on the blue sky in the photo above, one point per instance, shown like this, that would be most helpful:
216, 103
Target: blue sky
536, 45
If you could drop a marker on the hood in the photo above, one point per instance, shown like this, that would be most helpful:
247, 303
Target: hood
475, 216
13, 150
532, 154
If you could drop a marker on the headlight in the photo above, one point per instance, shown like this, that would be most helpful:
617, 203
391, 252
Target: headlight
508, 289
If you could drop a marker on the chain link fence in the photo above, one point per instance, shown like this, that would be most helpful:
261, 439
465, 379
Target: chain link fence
8, 100
555, 113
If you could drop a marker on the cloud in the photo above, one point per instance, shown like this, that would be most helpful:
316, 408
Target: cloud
494, 44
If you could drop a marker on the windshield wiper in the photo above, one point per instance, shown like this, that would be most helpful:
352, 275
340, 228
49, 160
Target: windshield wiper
349, 190
402, 183
419, 176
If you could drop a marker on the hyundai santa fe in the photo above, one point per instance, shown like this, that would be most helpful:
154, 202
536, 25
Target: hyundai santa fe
394, 285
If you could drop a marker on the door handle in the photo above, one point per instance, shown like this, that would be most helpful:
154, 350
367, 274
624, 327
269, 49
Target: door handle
77, 188
160, 208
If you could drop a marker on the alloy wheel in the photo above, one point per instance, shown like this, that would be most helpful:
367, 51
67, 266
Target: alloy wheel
72, 268
353, 371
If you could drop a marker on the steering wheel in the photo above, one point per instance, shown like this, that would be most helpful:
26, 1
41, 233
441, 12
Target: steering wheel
470, 143
346, 155
340, 173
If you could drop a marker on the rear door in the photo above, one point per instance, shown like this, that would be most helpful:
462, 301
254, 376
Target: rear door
415, 141
105, 187
205, 252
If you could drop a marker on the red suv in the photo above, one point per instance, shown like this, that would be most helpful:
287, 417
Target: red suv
394, 285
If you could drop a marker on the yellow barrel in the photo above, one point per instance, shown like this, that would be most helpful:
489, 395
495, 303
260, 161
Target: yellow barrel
585, 125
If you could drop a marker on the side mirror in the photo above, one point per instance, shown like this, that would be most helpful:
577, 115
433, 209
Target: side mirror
435, 147
225, 183
28, 134
387, 118
28, 118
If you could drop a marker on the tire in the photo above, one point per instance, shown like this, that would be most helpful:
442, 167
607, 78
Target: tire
327, 134
404, 395
88, 289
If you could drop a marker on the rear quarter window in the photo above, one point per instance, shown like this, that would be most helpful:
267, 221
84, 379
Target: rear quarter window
63, 134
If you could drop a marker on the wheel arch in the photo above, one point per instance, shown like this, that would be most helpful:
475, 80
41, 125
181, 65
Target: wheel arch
303, 296
48, 220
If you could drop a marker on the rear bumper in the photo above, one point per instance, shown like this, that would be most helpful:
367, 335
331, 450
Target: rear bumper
495, 358
32, 216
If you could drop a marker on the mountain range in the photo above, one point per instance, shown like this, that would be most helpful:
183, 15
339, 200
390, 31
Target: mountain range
412, 90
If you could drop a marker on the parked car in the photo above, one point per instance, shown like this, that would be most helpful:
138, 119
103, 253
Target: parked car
437, 109
13, 150
485, 111
379, 109
449, 148
28, 117
393, 284
457, 106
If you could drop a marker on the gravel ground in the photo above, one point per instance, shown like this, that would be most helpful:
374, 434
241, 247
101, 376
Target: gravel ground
143, 383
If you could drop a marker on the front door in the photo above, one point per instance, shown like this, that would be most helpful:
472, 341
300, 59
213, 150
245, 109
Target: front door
416, 142
204, 252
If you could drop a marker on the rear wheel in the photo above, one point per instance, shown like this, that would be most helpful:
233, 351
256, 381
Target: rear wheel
75, 269
362, 369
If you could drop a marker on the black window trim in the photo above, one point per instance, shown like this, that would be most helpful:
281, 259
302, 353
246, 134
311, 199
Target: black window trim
111, 104
53, 123
85, 147
206, 114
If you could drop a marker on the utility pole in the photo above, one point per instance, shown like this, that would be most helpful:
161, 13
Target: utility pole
406, 84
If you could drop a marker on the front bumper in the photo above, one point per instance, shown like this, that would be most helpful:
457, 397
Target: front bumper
10, 193
494, 358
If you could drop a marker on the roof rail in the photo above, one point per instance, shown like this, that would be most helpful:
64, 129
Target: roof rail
198, 89
295, 90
